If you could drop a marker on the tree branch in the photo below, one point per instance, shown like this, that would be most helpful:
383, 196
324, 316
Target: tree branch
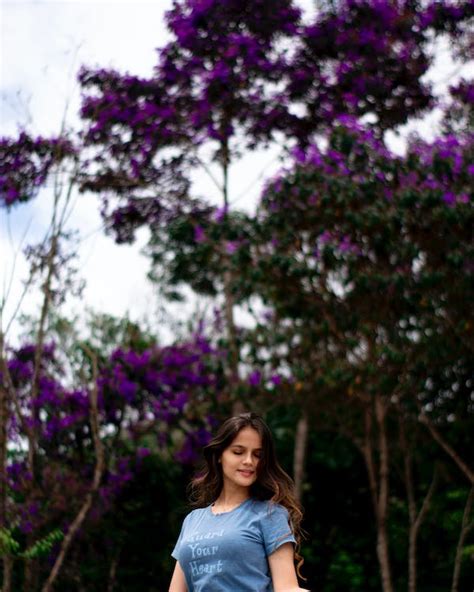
424, 419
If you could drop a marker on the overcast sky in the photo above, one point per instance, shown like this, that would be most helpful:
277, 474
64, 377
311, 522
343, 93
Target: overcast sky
43, 43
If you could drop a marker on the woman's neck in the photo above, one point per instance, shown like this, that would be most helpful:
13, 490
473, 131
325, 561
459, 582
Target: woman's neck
232, 497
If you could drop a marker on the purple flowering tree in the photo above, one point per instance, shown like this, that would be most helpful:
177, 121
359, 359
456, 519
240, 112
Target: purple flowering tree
138, 400
236, 77
26, 164
366, 258
210, 88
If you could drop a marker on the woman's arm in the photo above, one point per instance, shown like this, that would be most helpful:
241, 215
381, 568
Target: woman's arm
178, 581
282, 568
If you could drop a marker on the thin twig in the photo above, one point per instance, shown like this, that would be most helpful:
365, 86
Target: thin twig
423, 418
255, 180
7, 289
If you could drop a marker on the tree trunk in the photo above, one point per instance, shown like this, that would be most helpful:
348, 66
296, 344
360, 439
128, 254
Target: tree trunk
382, 539
31, 565
7, 573
4, 416
113, 572
299, 461
379, 485
237, 405
234, 354
98, 471
414, 519
466, 526
6, 586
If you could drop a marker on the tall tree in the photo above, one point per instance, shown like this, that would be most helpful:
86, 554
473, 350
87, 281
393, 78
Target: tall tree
366, 257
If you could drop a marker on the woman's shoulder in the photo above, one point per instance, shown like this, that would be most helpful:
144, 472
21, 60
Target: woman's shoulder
195, 513
267, 507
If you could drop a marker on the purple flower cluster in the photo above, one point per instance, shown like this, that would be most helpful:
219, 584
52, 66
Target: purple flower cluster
227, 78
165, 390
369, 56
189, 20
161, 385
336, 207
442, 168
25, 163
189, 452
341, 244
463, 91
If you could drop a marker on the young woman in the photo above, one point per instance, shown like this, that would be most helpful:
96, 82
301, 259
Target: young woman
241, 537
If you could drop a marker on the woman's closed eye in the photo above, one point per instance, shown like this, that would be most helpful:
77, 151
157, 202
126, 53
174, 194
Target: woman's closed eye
256, 454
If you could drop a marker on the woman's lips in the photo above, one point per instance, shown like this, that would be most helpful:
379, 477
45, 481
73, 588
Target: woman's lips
246, 473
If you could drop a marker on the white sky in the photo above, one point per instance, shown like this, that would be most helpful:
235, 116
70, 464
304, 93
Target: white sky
43, 44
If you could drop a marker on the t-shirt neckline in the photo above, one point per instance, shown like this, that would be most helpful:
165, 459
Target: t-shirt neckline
229, 511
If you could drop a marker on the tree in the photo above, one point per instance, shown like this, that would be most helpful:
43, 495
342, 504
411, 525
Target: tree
369, 288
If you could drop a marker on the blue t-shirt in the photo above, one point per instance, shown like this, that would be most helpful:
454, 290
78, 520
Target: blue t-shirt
228, 552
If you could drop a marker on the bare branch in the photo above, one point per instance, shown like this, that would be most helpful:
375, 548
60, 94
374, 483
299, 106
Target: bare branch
7, 288
424, 419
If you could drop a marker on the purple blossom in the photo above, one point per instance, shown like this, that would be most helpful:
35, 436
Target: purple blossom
232, 247
276, 379
220, 214
346, 246
137, 360
199, 234
127, 389
449, 198
298, 154
351, 99
325, 237
180, 401
193, 444
143, 452
255, 378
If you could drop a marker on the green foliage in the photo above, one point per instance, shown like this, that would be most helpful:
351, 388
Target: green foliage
43, 547
8, 545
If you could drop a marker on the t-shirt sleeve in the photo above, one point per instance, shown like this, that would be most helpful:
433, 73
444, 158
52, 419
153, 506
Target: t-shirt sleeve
175, 551
276, 529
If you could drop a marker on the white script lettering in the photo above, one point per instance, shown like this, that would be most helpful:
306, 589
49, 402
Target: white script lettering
198, 551
205, 568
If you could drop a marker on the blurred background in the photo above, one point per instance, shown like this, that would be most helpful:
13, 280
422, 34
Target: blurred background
208, 207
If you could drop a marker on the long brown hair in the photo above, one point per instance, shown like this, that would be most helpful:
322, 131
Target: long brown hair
272, 483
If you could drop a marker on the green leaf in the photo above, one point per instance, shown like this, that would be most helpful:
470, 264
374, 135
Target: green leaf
44, 545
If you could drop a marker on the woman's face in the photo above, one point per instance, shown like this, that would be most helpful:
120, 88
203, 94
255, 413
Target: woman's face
240, 459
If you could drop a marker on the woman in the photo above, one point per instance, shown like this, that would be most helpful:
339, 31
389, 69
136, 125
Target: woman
240, 539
